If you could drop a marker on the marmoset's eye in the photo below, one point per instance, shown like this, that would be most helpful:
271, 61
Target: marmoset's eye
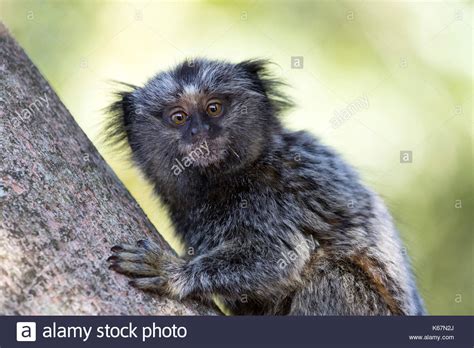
179, 118
214, 108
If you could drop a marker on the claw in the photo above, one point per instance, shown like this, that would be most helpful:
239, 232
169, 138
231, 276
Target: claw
117, 248
112, 258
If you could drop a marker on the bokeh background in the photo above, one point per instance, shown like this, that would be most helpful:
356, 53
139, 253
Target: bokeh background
400, 72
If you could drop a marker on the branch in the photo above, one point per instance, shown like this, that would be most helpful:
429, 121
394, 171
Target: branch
62, 208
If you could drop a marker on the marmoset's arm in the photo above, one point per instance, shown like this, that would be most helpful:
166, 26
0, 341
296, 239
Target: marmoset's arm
231, 270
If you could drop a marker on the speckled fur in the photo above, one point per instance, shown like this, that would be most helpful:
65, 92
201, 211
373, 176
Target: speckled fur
277, 222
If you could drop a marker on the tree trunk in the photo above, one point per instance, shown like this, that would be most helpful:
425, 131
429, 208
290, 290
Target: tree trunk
62, 208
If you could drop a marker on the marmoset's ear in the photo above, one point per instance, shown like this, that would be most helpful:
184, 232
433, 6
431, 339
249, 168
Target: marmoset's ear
266, 83
254, 66
257, 70
121, 113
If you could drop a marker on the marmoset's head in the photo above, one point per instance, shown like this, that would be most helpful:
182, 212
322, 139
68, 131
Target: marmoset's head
201, 113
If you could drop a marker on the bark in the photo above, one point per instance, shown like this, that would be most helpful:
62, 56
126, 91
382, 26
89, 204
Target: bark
62, 208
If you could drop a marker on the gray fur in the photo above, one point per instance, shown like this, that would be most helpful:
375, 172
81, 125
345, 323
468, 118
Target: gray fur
275, 222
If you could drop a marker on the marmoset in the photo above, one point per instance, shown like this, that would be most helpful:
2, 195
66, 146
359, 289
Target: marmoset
275, 222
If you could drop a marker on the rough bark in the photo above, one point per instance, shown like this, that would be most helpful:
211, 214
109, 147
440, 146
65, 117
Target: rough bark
62, 208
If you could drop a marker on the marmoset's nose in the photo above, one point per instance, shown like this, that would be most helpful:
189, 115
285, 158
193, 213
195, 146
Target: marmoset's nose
200, 129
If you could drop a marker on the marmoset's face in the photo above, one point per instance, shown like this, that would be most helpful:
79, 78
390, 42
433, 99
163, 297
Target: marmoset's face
210, 111
196, 121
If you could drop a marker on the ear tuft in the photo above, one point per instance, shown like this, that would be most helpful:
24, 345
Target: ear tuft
121, 112
266, 83
255, 66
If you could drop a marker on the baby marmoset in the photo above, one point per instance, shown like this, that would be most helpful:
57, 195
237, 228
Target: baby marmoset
278, 223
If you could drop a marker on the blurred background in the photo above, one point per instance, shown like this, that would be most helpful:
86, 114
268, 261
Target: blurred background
389, 85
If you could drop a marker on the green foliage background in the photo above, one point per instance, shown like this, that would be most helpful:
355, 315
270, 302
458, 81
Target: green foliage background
411, 60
